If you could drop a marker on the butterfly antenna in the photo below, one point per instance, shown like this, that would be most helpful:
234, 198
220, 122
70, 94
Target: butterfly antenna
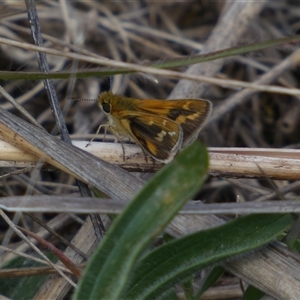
82, 99
110, 83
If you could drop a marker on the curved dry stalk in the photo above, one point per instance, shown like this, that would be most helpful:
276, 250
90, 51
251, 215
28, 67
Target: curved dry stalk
282, 164
160, 72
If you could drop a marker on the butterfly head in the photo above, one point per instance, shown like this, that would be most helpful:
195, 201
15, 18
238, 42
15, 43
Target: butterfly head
104, 101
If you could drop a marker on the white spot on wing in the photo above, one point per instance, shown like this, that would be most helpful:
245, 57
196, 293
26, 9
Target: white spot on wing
160, 136
172, 133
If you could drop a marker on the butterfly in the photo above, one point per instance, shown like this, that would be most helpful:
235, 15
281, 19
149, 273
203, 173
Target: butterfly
160, 127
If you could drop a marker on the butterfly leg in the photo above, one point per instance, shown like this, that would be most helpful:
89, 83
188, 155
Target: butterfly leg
145, 155
97, 132
116, 134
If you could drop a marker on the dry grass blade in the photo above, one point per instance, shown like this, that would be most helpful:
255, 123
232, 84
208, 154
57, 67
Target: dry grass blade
65, 204
287, 64
19, 107
281, 164
34, 247
232, 21
68, 158
56, 223
127, 68
53, 101
63, 258
23, 272
248, 113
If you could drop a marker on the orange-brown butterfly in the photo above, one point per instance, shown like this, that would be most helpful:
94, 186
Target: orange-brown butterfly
160, 127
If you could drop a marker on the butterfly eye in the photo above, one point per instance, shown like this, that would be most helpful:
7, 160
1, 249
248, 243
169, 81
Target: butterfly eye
106, 107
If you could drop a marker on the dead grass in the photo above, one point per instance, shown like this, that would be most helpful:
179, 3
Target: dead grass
140, 32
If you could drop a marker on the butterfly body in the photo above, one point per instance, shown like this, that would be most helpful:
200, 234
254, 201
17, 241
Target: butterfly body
160, 127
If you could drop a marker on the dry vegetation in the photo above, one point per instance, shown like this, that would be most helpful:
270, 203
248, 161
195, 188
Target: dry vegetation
141, 32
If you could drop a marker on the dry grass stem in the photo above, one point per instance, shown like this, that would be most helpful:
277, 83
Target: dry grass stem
252, 136
281, 164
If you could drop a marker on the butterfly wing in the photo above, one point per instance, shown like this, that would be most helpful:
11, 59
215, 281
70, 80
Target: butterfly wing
190, 114
157, 135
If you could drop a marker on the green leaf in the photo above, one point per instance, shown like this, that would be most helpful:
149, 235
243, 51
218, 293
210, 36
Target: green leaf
212, 277
171, 295
253, 293
296, 245
188, 288
171, 263
145, 217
